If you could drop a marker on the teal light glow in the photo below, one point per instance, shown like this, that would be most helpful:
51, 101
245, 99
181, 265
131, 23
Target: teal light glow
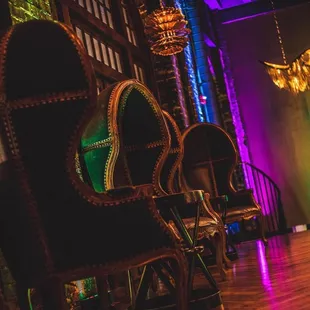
189, 59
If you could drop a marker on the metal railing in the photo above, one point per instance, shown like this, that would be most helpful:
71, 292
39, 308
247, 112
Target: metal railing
268, 195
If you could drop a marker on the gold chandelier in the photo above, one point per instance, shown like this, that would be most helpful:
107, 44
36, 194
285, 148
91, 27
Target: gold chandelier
166, 31
294, 77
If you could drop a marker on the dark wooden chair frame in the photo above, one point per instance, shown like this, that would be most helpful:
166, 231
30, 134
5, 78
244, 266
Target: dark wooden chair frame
111, 104
33, 247
244, 196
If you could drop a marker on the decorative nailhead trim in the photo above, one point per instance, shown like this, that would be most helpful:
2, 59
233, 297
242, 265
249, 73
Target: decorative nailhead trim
46, 99
178, 150
97, 145
174, 150
132, 148
78, 166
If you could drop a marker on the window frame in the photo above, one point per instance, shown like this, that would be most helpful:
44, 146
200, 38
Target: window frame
100, 9
139, 72
130, 30
110, 55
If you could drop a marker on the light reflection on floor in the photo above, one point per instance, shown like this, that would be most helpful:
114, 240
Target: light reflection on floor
275, 278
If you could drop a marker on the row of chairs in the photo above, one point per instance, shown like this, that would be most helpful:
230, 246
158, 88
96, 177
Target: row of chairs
94, 187
139, 149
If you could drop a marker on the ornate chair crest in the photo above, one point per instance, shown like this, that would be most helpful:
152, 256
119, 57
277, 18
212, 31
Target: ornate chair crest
210, 158
51, 222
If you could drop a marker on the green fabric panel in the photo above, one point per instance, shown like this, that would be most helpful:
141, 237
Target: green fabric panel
95, 160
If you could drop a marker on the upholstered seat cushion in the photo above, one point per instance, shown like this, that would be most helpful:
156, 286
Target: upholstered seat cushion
208, 227
241, 213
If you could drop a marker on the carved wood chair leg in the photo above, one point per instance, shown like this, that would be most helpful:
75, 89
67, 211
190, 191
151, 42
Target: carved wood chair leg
226, 260
218, 244
229, 242
261, 221
145, 283
181, 285
53, 295
164, 278
131, 287
23, 298
192, 267
155, 282
103, 292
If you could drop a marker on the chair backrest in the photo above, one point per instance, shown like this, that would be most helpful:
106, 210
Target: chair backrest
169, 175
210, 158
47, 90
129, 130
52, 224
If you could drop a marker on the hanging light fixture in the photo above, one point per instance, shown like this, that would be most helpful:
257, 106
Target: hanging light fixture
294, 77
166, 31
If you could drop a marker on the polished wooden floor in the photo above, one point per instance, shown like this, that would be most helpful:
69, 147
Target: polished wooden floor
277, 278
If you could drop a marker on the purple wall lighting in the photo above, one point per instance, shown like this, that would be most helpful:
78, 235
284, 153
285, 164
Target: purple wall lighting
220, 5
263, 195
234, 107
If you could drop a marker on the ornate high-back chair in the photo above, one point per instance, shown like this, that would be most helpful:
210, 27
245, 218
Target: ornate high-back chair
210, 158
134, 150
211, 226
140, 143
53, 227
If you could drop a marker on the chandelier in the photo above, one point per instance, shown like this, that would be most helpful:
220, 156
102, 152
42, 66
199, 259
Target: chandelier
166, 31
294, 77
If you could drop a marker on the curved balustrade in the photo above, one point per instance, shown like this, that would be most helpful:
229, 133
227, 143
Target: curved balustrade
268, 195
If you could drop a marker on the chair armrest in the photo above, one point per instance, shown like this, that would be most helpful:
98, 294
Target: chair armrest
120, 194
244, 191
242, 198
219, 199
131, 191
208, 209
217, 206
87, 233
128, 228
186, 204
219, 203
